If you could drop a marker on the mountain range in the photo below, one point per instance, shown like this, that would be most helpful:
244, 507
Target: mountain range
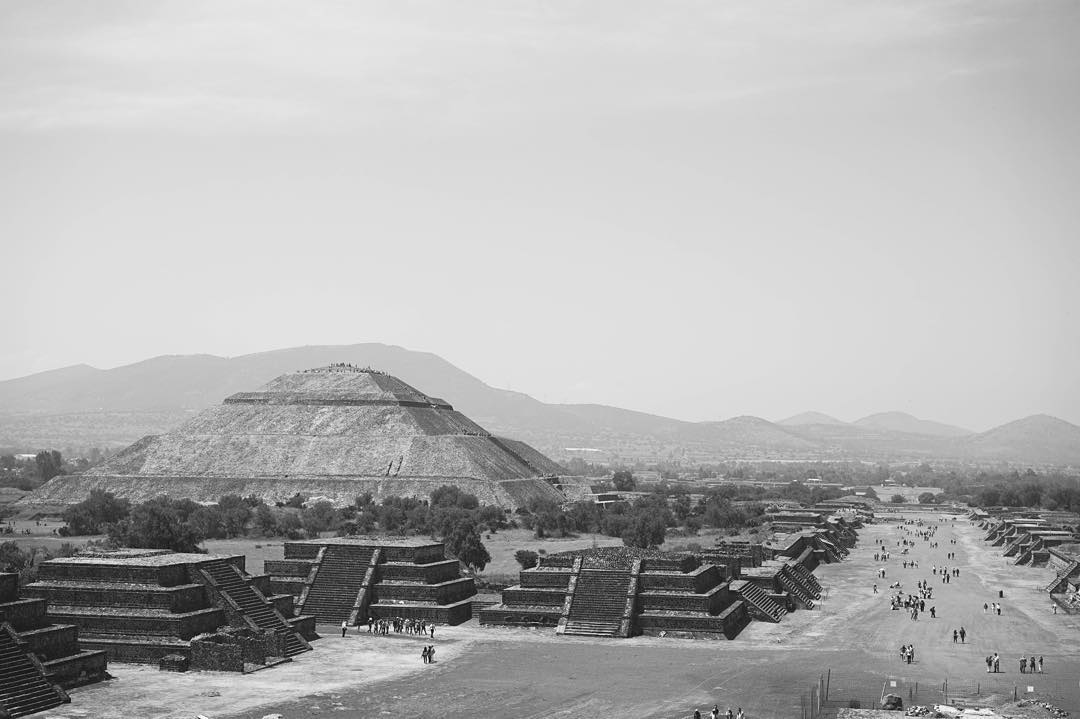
82, 406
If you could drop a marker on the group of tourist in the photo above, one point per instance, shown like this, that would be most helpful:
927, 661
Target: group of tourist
398, 625
994, 608
715, 713
1027, 666
907, 653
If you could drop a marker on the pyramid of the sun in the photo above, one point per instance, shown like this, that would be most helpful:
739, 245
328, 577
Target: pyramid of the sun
334, 432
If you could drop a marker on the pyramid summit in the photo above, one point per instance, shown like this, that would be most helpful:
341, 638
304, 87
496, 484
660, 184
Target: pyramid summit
335, 432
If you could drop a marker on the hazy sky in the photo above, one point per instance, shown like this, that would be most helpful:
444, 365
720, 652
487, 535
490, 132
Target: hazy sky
698, 209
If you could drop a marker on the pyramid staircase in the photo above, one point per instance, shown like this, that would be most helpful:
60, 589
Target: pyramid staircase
1062, 576
792, 584
758, 603
339, 577
24, 689
808, 579
599, 602
228, 580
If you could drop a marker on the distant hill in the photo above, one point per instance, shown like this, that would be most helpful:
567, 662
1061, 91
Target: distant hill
80, 406
809, 418
1030, 438
903, 422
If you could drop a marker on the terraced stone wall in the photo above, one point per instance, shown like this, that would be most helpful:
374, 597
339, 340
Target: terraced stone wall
432, 573
700, 580
445, 593
179, 599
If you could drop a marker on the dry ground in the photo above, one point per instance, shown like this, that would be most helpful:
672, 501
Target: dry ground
485, 672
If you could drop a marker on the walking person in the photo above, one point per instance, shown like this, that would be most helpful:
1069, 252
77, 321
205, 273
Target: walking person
955, 636
344, 628
962, 635
424, 655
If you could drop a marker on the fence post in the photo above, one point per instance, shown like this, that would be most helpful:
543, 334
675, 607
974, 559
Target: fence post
828, 680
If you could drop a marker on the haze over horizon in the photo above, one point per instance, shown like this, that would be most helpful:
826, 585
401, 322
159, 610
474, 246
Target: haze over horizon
686, 209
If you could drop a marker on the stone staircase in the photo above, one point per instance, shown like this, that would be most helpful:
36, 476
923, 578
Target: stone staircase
337, 583
758, 603
599, 603
24, 689
253, 604
807, 577
1063, 575
789, 582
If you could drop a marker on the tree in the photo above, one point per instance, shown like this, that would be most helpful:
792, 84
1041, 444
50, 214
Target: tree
464, 543
624, 481
160, 523
897, 499
526, 558
207, 523
450, 496
95, 513
927, 498
235, 513
49, 464
265, 521
646, 529
317, 518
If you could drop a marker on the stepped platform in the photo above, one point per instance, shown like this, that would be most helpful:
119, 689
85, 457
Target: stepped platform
354, 579
142, 605
55, 644
619, 592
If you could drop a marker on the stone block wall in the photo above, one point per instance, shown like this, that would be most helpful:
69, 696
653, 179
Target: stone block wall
431, 573
24, 614
537, 578
698, 580
261, 582
519, 596
165, 575
440, 614
678, 563
183, 626
513, 616
181, 598
287, 567
214, 653
444, 593
711, 602
53, 642
9, 586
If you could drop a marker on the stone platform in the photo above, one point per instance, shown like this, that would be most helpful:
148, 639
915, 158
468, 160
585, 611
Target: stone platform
143, 605
354, 579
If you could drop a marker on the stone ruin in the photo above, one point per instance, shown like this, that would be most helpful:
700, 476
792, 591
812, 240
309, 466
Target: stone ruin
620, 591
39, 658
353, 579
154, 606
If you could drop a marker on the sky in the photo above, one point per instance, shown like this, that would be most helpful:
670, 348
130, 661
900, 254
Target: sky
696, 209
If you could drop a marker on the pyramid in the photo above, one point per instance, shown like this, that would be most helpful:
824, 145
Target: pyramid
333, 432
